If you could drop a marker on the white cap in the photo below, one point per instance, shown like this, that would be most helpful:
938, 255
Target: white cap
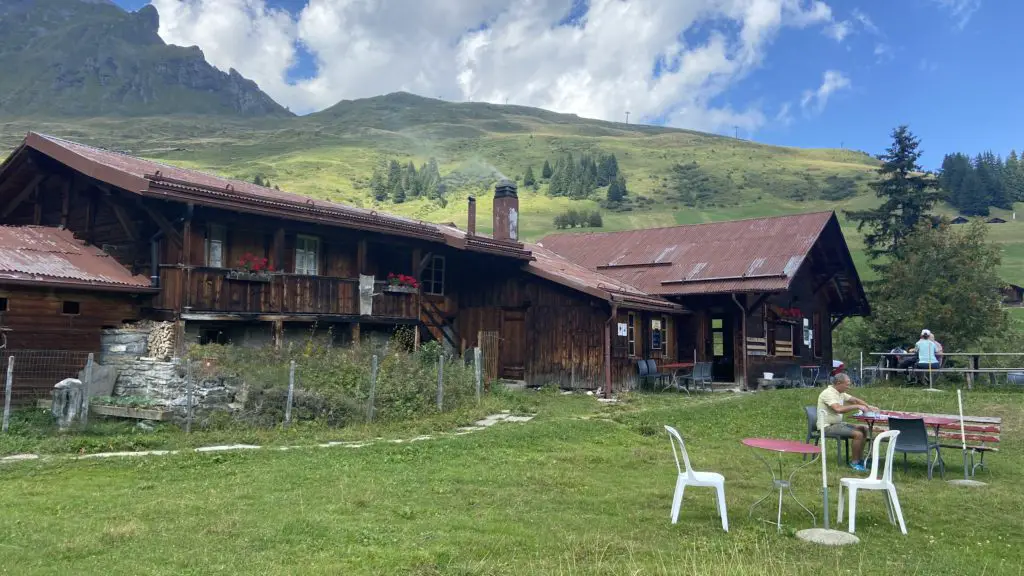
926, 332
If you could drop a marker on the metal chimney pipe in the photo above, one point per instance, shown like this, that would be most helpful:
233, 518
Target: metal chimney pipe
471, 224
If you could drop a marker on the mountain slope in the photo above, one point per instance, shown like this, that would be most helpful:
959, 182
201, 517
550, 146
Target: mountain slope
91, 58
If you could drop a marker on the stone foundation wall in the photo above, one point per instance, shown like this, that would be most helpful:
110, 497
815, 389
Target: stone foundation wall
165, 383
141, 358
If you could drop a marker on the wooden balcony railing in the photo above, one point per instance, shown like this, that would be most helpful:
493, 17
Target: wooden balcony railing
214, 290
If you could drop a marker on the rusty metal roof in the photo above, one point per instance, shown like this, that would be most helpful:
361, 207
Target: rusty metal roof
45, 255
754, 255
549, 265
149, 178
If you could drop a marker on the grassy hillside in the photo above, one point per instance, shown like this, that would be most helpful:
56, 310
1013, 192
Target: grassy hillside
332, 155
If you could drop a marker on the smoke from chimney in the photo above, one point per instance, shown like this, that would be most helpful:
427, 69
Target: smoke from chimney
506, 211
471, 224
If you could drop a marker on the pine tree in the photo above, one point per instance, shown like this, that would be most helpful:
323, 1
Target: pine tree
546, 172
1013, 177
394, 177
973, 197
615, 193
528, 178
258, 180
908, 195
378, 181
607, 170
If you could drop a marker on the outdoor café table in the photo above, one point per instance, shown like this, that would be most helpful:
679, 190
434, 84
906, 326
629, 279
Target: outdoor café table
676, 368
883, 416
814, 373
781, 447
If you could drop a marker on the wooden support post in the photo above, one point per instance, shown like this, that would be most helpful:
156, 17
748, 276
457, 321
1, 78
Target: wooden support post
278, 334
355, 332
37, 207
65, 202
278, 250
361, 265
90, 215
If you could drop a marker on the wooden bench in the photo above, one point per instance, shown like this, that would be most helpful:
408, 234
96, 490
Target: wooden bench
982, 434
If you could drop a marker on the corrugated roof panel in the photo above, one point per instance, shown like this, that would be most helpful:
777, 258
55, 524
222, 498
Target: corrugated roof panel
53, 255
757, 254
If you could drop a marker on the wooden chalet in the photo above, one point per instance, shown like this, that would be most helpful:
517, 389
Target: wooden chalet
765, 293
195, 237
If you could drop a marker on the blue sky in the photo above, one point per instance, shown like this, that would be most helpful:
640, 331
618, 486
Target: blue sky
945, 67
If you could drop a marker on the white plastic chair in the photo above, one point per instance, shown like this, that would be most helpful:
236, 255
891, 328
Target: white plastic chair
872, 482
689, 477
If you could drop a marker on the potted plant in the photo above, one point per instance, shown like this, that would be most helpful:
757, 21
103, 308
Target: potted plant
401, 283
252, 268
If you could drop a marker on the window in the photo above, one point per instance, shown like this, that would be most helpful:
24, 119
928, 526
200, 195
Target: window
71, 308
666, 329
631, 334
657, 334
433, 276
215, 241
3, 304
717, 337
307, 255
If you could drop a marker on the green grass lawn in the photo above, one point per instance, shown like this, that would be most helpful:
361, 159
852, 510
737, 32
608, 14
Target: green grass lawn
583, 489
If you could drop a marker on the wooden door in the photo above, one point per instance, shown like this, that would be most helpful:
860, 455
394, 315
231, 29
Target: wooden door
513, 344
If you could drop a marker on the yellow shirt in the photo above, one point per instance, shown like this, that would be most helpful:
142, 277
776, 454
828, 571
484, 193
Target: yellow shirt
826, 415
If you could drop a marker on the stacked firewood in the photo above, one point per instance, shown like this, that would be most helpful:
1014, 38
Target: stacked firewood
161, 340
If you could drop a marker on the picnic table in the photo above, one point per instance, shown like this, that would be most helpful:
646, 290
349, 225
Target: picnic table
780, 483
884, 415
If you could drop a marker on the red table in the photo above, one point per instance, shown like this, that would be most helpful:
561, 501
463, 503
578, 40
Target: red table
676, 367
781, 447
883, 416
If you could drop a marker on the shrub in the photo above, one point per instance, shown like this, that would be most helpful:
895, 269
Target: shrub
333, 384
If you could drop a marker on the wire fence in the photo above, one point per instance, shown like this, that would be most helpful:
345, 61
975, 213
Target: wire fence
258, 387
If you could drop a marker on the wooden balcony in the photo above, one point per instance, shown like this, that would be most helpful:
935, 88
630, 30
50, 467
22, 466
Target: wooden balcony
213, 291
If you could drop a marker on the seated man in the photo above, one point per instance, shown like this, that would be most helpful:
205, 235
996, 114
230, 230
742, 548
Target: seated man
833, 402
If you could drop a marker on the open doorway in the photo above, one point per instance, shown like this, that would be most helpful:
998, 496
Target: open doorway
722, 350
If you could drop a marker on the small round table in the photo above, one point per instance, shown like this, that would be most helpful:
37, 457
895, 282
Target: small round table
781, 447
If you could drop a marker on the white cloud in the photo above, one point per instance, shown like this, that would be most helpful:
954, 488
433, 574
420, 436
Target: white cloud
815, 100
865, 21
493, 50
960, 10
883, 52
838, 31
784, 117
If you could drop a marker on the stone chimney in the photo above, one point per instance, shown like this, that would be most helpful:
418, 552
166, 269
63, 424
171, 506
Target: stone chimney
471, 224
506, 211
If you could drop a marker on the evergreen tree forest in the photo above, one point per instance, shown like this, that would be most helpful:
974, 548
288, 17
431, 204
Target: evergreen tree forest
974, 185
579, 176
391, 180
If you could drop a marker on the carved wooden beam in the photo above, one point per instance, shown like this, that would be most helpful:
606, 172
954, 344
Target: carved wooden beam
164, 225
122, 217
21, 196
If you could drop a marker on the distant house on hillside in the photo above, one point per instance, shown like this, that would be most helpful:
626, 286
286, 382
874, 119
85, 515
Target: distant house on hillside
995, 220
959, 220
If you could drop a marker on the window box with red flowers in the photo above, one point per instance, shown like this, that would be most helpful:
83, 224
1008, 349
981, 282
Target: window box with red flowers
401, 283
253, 269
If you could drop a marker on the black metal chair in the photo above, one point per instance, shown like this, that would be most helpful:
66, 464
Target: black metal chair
814, 436
699, 376
652, 372
642, 374
913, 439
